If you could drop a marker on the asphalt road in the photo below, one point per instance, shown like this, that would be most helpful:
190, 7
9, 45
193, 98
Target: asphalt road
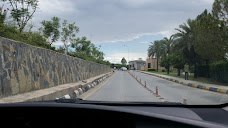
174, 92
120, 87
123, 87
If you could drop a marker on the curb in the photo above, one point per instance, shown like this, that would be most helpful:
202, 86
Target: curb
208, 88
87, 86
65, 91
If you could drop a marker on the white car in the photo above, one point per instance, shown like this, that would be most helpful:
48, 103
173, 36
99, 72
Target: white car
124, 69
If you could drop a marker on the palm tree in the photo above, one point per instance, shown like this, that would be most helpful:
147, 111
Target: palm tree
155, 50
185, 35
184, 39
168, 45
167, 51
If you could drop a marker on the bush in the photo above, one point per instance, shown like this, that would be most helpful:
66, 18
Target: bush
36, 39
202, 70
151, 69
219, 71
32, 38
163, 70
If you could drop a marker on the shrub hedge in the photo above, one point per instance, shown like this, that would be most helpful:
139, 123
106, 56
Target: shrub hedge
151, 69
219, 71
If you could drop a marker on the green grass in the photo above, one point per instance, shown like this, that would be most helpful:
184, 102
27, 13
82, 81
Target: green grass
191, 77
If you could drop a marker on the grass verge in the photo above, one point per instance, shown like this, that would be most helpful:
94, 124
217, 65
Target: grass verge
191, 77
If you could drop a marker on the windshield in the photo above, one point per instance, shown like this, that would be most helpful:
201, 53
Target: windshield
128, 50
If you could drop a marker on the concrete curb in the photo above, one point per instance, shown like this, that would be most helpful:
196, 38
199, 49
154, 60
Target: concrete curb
89, 85
204, 87
66, 91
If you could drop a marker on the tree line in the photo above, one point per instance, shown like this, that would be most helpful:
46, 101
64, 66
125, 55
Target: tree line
201, 42
15, 23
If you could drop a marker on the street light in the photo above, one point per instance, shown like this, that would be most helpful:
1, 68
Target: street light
128, 56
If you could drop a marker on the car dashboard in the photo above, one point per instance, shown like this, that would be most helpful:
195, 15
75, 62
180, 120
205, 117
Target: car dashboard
72, 115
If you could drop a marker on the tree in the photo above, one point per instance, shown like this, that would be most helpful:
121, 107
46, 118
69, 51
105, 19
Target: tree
209, 43
185, 38
166, 62
156, 50
60, 49
68, 34
22, 11
178, 61
85, 47
166, 52
168, 42
3, 13
50, 29
96, 53
82, 45
220, 11
123, 61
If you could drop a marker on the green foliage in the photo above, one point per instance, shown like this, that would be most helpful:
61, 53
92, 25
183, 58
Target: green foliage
22, 11
166, 62
197, 42
118, 66
32, 38
203, 70
151, 69
209, 43
60, 49
86, 50
123, 61
177, 60
185, 38
156, 49
220, 11
83, 46
50, 29
68, 34
162, 49
219, 71
3, 13
89, 58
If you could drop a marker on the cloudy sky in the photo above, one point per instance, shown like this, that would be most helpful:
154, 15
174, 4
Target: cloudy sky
123, 28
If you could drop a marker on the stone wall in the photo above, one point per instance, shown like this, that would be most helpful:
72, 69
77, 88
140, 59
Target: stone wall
25, 68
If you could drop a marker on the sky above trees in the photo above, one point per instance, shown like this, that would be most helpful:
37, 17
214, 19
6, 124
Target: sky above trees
113, 24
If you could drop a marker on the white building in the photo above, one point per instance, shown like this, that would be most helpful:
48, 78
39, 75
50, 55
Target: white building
137, 64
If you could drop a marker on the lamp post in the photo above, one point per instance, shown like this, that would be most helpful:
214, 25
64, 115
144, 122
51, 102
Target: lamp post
128, 56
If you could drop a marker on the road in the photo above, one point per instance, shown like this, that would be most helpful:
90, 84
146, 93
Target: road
123, 87
120, 87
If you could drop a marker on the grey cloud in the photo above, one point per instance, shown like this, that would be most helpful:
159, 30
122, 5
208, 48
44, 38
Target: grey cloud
112, 20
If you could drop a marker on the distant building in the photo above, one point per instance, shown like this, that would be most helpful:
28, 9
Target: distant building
137, 64
152, 63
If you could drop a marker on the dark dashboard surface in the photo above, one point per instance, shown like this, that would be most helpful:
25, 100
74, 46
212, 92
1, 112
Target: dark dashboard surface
90, 115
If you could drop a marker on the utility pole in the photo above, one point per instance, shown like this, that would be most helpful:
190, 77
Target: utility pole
128, 56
